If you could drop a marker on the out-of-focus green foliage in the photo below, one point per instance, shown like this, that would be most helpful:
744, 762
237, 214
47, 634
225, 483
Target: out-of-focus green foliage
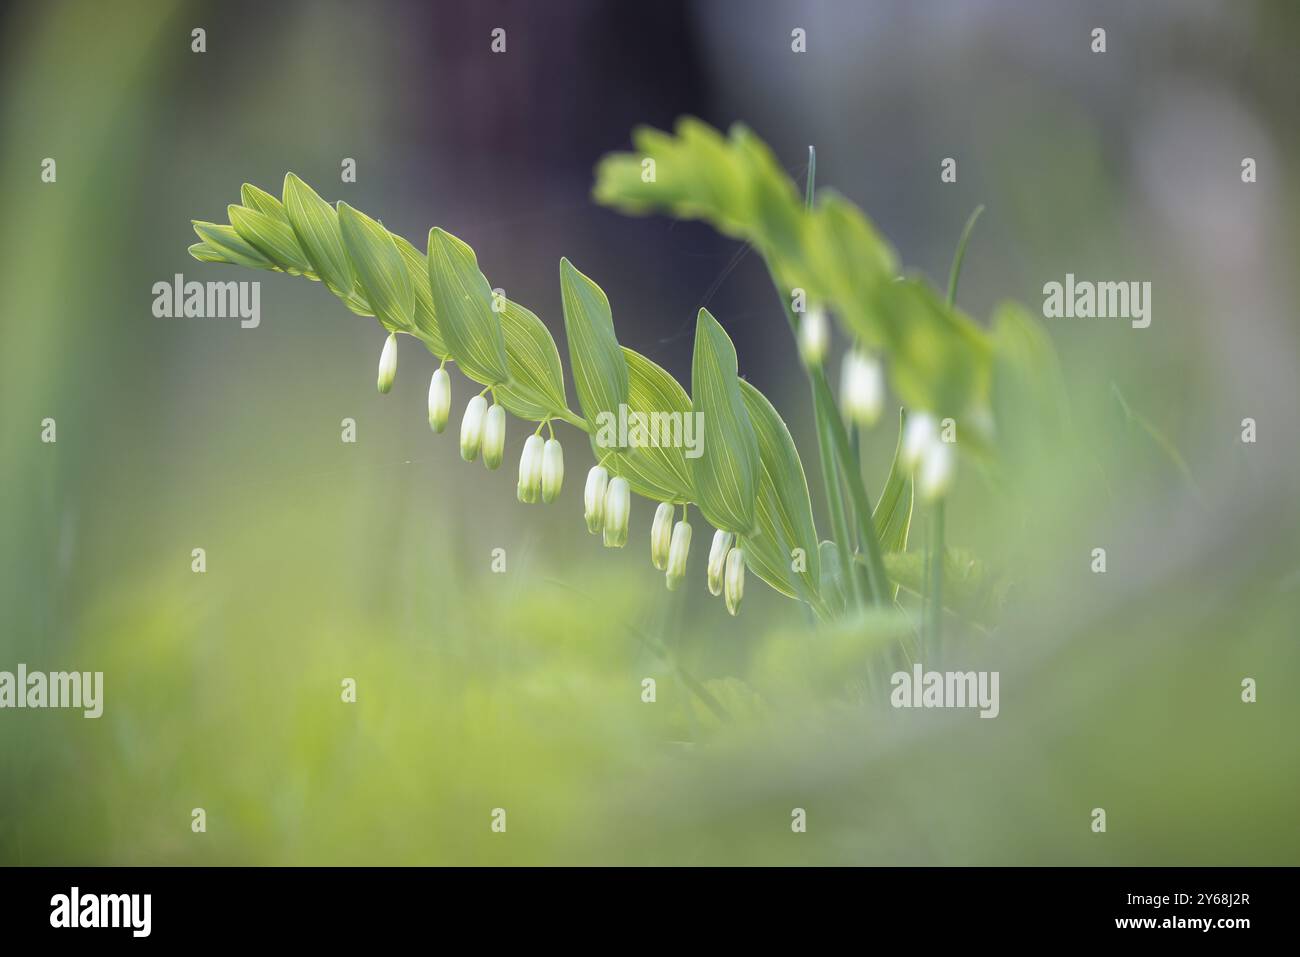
939, 358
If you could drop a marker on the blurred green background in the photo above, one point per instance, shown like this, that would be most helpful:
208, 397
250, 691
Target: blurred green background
523, 690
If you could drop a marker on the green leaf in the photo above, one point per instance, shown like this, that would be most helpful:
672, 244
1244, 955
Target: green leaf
725, 476
462, 301
223, 244
697, 175
1028, 396
379, 268
536, 387
714, 180
657, 471
775, 217
426, 320
783, 510
207, 254
262, 201
893, 512
315, 223
970, 588
599, 370
939, 358
273, 238
848, 260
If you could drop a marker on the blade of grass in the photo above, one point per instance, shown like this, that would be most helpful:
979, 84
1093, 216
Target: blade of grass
955, 273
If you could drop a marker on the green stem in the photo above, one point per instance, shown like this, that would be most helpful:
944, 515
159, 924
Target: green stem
811, 181
826, 456
932, 610
932, 629
835, 505
575, 420
837, 458
876, 576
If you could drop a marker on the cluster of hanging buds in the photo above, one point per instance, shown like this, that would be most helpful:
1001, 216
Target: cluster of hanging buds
926, 453
541, 470
670, 544
607, 505
607, 501
483, 429
727, 570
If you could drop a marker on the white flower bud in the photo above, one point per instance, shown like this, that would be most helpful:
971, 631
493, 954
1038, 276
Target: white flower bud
936, 472
388, 363
814, 337
920, 432
677, 552
439, 399
618, 509
494, 436
593, 498
471, 428
734, 585
552, 470
718, 559
661, 533
862, 387
530, 469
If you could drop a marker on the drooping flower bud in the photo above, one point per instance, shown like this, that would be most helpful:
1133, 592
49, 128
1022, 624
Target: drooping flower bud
734, 586
936, 472
677, 552
718, 559
920, 432
439, 399
862, 387
388, 364
618, 509
552, 470
593, 498
471, 428
661, 533
530, 469
494, 436
814, 336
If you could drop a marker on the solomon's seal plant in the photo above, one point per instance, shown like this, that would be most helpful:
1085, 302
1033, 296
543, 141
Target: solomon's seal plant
748, 481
